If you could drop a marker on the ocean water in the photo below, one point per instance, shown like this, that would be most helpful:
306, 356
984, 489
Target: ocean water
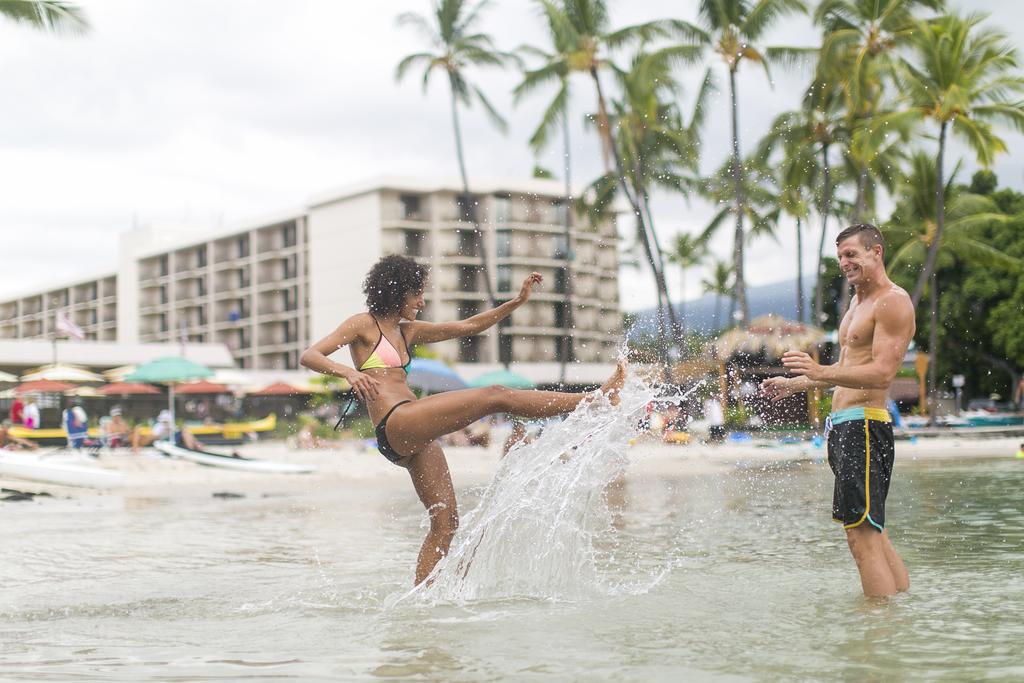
638, 574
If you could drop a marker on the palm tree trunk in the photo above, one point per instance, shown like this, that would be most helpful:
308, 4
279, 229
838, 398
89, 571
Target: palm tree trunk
860, 206
602, 113
737, 179
718, 311
799, 271
568, 319
940, 219
467, 198
826, 201
660, 256
933, 348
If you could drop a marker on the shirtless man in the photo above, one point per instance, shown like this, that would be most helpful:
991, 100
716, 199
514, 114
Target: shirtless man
873, 338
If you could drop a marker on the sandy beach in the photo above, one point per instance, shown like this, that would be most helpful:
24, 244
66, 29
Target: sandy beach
151, 475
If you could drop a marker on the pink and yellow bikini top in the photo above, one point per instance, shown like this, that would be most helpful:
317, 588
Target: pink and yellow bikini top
384, 354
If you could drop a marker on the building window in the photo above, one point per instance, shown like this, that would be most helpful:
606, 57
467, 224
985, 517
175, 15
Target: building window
502, 209
289, 331
503, 243
504, 342
469, 243
201, 315
243, 277
92, 290
564, 344
201, 287
289, 299
201, 257
411, 207
467, 208
504, 278
291, 360
162, 322
561, 211
243, 338
561, 315
414, 243
164, 265
242, 244
467, 279
561, 280
288, 235
561, 246
469, 349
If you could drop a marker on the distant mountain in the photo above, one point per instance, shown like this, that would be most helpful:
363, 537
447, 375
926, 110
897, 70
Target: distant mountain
778, 298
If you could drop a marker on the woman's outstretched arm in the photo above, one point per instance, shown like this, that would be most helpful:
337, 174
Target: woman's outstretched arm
316, 357
422, 332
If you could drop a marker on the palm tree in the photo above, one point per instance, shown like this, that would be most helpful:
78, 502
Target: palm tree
960, 75
554, 67
583, 31
914, 232
795, 177
688, 251
730, 29
46, 15
858, 50
719, 284
450, 30
657, 147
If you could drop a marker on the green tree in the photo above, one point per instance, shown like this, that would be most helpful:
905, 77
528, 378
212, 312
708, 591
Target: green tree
688, 252
730, 29
720, 284
914, 228
959, 74
455, 46
46, 15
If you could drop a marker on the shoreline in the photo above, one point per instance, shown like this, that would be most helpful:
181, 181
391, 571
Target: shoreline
151, 476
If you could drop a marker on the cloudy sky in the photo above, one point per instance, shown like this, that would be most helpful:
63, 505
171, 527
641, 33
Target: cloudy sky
196, 112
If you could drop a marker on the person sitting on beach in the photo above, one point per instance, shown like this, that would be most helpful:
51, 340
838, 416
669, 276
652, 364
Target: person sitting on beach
14, 443
115, 431
162, 431
17, 411
408, 428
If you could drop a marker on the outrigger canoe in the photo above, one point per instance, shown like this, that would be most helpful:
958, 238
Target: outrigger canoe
228, 432
229, 461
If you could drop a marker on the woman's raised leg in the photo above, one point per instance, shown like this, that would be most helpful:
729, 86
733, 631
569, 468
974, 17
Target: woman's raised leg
412, 427
433, 483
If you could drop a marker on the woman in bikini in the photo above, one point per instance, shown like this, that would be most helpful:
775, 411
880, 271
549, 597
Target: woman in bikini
407, 427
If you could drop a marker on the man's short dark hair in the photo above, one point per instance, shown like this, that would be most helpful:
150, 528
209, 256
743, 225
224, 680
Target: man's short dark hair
390, 280
869, 235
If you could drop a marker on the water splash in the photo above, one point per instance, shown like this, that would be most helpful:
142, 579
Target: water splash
539, 527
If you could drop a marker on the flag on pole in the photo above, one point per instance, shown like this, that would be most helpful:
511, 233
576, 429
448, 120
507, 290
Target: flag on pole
66, 326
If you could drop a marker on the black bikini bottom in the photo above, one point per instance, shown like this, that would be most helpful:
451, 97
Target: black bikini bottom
382, 436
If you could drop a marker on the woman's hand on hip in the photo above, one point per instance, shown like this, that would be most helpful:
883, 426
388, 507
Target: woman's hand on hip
364, 386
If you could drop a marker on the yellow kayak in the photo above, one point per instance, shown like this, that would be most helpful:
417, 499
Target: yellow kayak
227, 430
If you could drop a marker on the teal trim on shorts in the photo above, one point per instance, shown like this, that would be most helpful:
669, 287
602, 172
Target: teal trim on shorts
859, 413
875, 524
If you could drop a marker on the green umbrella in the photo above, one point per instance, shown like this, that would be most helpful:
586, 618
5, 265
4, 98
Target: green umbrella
169, 370
504, 378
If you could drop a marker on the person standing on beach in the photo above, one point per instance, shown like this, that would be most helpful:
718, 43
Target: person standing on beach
873, 339
408, 428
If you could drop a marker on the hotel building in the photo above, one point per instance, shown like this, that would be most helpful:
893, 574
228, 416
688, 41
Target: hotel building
267, 288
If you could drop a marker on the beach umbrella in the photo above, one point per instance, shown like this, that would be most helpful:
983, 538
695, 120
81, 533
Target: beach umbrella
203, 387
505, 378
770, 334
43, 386
61, 373
169, 370
83, 392
280, 389
7, 378
118, 374
433, 376
127, 389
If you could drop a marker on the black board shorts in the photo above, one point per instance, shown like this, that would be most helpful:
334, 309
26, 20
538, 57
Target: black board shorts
861, 451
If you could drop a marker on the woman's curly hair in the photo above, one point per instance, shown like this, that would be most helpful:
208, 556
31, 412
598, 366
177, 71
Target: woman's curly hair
390, 280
